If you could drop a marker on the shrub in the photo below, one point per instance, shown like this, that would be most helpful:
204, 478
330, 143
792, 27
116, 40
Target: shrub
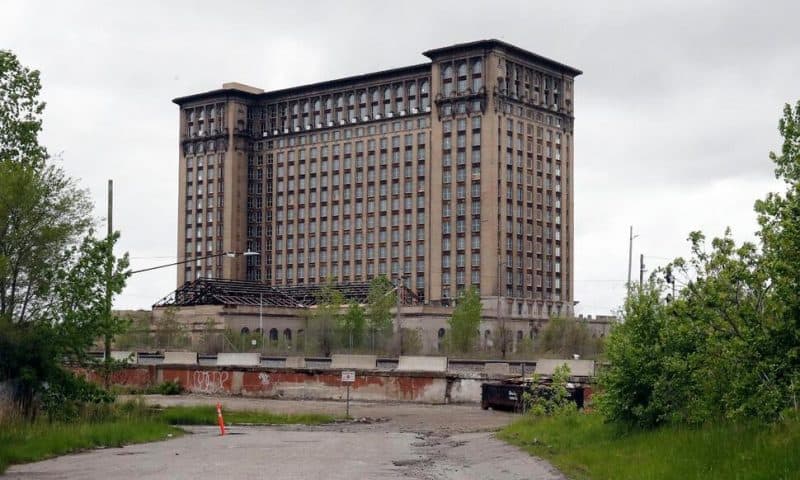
550, 399
170, 387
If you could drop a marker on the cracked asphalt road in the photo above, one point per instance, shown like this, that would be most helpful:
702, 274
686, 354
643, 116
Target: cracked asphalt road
431, 442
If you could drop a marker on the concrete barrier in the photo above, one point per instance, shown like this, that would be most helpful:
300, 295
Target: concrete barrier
497, 368
180, 358
577, 368
122, 356
357, 362
242, 359
421, 364
295, 362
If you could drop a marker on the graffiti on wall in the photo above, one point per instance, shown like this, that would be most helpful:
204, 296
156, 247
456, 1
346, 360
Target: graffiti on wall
209, 381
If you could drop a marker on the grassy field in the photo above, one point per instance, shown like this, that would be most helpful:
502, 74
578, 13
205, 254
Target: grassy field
118, 425
583, 447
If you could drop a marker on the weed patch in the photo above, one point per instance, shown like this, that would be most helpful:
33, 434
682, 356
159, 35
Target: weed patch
584, 447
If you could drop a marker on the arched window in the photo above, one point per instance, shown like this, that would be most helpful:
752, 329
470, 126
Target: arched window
376, 96
306, 106
447, 81
447, 73
425, 88
328, 103
441, 333
412, 89
362, 98
340, 101
317, 105
257, 331
399, 98
477, 83
387, 94
295, 108
245, 330
273, 335
477, 67
287, 335
351, 100
462, 70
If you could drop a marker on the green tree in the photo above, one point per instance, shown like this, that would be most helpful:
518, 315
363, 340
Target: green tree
635, 357
54, 274
352, 325
169, 331
381, 299
412, 341
20, 112
324, 318
465, 321
779, 221
729, 343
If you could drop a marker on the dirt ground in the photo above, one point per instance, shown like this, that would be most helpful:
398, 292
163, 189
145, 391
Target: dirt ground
400, 417
385, 441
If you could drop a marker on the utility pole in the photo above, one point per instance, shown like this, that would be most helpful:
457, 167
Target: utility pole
399, 315
261, 319
109, 267
630, 258
641, 269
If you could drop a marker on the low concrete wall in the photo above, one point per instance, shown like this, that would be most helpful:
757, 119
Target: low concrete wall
305, 383
421, 364
295, 362
466, 390
243, 359
577, 368
354, 362
122, 356
497, 368
180, 358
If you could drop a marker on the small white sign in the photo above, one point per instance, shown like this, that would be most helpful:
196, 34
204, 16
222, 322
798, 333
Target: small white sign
348, 376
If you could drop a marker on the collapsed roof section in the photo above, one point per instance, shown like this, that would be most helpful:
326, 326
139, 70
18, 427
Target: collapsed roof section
206, 291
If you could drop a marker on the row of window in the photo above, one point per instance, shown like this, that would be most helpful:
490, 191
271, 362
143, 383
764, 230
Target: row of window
358, 237
456, 76
377, 102
348, 133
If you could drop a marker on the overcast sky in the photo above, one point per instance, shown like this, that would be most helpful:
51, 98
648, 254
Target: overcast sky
675, 113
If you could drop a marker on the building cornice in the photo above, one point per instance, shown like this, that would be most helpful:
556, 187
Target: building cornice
494, 44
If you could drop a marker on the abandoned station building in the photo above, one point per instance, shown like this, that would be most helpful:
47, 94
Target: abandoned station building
452, 173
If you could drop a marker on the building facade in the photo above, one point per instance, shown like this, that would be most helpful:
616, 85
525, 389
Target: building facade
453, 173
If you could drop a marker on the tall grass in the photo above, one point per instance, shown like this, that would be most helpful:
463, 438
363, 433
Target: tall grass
584, 447
98, 426
114, 425
207, 415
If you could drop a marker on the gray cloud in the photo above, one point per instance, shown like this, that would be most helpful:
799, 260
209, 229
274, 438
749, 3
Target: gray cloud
676, 111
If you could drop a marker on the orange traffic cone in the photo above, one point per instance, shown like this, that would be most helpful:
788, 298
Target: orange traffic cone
220, 420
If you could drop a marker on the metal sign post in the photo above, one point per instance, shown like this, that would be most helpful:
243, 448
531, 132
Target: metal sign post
348, 377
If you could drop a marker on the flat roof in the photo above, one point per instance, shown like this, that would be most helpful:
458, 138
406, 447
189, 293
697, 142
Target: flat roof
495, 43
364, 77
251, 93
